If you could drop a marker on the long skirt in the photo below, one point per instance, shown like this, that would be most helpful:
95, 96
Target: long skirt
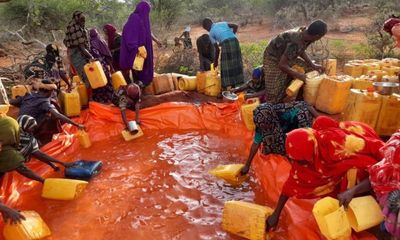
277, 81
78, 61
231, 63
275, 120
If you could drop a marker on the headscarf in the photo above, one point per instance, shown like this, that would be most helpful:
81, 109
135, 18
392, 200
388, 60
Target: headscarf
98, 43
321, 159
257, 72
137, 33
52, 54
10, 157
28, 143
133, 92
76, 34
385, 175
389, 24
111, 34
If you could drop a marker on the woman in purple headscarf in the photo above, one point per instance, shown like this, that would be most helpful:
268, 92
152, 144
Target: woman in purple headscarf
100, 51
137, 33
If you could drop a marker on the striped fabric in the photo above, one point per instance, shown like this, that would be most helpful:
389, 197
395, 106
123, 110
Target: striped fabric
27, 142
231, 63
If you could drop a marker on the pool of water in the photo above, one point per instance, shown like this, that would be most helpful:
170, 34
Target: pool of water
156, 187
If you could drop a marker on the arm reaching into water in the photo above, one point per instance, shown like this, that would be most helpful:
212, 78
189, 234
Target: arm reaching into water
272, 221
253, 152
10, 215
60, 116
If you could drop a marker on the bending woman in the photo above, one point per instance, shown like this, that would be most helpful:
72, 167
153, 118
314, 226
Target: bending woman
272, 122
321, 158
384, 180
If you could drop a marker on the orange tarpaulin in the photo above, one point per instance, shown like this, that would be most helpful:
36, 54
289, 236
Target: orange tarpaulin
103, 121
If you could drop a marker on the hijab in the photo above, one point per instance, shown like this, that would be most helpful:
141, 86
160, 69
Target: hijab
98, 43
111, 34
137, 33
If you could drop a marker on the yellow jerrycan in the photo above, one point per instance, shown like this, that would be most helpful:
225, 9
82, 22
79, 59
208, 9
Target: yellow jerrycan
4, 108
63, 189
187, 83
32, 228
129, 137
118, 80
95, 74
247, 110
353, 69
245, 219
294, 87
76, 79
392, 70
332, 94
230, 173
83, 95
332, 219
84, 139
363, 106
163, 83
72, 103
370, 67
388, 122
20, 91
149, 89
330, 66
364, 213
364, 82
378, 73
201, 81
138, 63
213, 83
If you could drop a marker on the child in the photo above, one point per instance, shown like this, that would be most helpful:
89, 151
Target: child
206, 52
39, 105
254, 87
187, 41
128, 97
29, 145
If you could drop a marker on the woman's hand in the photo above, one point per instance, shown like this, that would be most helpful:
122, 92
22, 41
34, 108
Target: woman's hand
81, 127
300, 76
346, 197
245, 170
272, 222
318, 68
11, 215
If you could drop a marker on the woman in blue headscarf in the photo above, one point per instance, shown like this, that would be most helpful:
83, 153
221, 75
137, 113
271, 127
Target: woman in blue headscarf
137, 33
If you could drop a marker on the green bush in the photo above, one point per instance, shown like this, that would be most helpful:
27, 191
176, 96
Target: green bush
253, 54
